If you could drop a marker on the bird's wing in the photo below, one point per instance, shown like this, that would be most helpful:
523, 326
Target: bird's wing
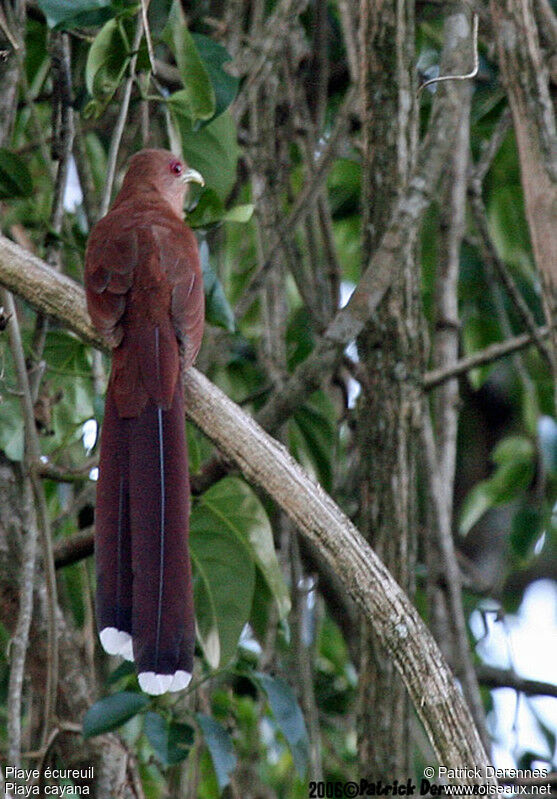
179, 260
110, 261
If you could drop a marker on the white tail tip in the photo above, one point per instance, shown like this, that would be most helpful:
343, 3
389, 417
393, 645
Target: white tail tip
116, 642
180, 681
156, 684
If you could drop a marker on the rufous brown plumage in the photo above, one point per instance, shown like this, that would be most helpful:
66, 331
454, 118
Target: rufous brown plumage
144, 292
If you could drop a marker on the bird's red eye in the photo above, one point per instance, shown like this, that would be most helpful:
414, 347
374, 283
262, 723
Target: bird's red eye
176, 167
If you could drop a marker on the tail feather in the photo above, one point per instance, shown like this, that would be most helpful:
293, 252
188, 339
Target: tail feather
163, 620
113, 536
144, 585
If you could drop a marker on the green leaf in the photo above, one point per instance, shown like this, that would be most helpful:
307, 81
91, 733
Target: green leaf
515, 459
299, 337
111, 712
124, 670
479, 330
194, 450
508, 226
75, 14
11, 427
69, 388
221, 749
512, 449
289, 718
344, 183
214, 55
232, 501
158, 15
217, 308
74, 588
15, 180
224, 578
239, 213
477, 502
171, 740
210, 210
213, 150
526, 527
106, 64
312, 436
198, 95
485, 100
261, 617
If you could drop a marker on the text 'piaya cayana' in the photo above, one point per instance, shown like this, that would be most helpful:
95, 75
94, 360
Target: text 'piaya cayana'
145, 296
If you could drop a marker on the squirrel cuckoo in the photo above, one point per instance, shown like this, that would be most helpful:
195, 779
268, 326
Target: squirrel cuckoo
145, 295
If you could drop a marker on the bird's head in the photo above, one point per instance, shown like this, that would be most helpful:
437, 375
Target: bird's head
163, 172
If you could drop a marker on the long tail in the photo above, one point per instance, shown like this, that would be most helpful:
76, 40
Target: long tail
145, 587
113, 536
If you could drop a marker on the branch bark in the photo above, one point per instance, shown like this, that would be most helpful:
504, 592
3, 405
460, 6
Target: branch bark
435, 695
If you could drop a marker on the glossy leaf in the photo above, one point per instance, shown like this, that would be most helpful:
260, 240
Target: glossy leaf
170, 739
215, 56
261, 611
479, 330
210, 210
75, 14
218, 311
233, 500
221, 749
158, 13
526, 528
312, 436
344, 182
508, 225
514, 457
15, 180
197, 95
287, 713
111, 712
11, 427
71, 400
121, 672
224, 578
212, 150
106, 64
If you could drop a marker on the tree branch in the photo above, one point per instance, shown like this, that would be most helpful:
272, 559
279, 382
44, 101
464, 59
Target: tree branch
121, 121
72, 549
266, 463
436, 377
507, 678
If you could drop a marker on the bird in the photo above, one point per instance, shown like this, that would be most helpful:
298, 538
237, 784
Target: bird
144, 290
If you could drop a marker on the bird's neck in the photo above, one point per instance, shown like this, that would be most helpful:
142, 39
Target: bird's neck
148, 195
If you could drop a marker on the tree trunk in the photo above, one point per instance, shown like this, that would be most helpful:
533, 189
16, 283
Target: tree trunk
389, 350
